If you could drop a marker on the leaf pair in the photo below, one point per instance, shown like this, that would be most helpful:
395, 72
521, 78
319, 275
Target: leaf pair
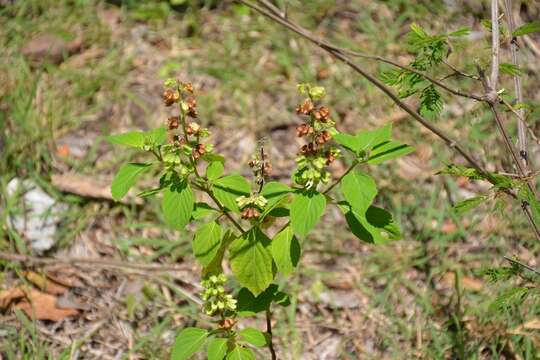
375, 143
190, 340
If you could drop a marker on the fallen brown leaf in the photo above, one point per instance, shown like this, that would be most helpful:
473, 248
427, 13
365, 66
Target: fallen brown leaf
42, 306
8, 295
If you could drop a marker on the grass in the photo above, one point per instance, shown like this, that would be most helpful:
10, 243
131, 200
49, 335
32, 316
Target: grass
247, 70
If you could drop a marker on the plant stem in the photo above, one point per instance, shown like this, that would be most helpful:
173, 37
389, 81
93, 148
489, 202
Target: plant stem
335, 183
269, 332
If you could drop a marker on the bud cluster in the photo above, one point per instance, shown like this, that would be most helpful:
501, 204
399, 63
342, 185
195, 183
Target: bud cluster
317, 129
216, 301
184, 139
251, 206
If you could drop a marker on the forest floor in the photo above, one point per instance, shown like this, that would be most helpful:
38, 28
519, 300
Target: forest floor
73, 72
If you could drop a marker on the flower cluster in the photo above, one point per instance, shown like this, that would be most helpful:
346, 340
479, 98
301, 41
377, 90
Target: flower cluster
318, 129
184, 147
216, 301
251, 206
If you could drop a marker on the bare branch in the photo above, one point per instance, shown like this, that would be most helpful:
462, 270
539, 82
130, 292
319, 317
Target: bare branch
495, 45
522, 136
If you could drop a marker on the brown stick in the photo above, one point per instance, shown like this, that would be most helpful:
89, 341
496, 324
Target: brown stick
88, 262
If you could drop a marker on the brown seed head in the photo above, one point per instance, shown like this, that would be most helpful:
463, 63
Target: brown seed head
173, 122
305, 108
170, 97
322, 113
323, 137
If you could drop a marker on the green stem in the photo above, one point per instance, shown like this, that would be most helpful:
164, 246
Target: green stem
353, 165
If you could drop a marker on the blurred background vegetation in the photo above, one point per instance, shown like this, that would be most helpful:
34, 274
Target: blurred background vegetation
73, 71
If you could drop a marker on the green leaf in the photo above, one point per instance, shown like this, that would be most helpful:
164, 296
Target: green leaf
376, 226
468, 204
241, 353
214, 170
249, 305
464, 31
510, 69
215, 267
217, 349
156, 136
206, 242
364, 140
348, 141
201, 210
388, 151
126, 178
274, 192
177, 204
188, 342
359, 190
367, 140
133, 139
285, 250
527, 28
251, 261
307, 208
228, 188
253, 336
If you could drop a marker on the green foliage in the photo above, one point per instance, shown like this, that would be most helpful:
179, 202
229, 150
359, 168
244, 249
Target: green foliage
376, 226
251, 261
241, 353
254, 258
227, 189
359, 190
468, 204
206, 242
430, 51
217, 348
285, 250
126, 178
188, 342
177, 204
307, 208
214, 170
527, 28
510, 69
253, 336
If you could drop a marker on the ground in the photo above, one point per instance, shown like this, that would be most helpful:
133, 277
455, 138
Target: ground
73, 72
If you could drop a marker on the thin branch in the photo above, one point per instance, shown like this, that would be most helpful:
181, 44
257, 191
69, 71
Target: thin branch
521, 264
89, 262
269, 331
521, 119
495, 45
522, 136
